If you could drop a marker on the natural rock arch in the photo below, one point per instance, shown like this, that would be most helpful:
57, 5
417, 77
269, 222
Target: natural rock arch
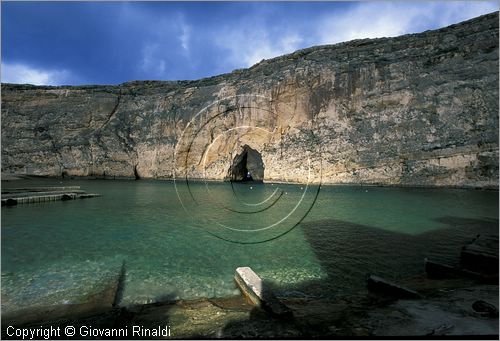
247, 166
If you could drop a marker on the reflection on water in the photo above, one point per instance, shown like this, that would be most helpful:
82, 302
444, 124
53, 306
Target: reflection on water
64, 252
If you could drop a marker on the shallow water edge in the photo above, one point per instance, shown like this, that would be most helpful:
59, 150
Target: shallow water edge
14, 177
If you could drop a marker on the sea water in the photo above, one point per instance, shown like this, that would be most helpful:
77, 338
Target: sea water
185, 241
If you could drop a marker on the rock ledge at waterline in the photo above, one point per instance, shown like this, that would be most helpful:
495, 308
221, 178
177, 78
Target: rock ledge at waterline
415, 110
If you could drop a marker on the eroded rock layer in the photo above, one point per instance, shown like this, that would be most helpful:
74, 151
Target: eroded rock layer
418, 109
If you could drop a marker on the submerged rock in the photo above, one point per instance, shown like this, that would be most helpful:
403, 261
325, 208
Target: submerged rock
484, 307
380, 285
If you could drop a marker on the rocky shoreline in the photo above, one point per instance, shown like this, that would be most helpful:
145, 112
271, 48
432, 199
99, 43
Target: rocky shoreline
446, 310
14, 177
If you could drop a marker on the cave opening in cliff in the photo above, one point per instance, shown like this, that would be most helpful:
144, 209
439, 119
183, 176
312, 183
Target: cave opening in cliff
247, 166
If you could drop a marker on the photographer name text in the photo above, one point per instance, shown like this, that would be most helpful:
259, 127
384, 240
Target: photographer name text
85, 331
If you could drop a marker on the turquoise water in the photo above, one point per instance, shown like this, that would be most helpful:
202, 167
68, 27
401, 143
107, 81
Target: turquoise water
62, 252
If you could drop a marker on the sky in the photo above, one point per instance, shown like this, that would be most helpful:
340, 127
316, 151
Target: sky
74, 43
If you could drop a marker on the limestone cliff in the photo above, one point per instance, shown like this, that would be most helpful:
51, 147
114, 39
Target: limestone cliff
419, 109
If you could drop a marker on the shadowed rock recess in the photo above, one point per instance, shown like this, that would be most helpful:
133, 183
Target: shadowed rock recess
419, 109
247, 166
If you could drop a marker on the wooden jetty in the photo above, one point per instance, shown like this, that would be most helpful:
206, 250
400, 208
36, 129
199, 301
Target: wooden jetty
15, 196
41, 189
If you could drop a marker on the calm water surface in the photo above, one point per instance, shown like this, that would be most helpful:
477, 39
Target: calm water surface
62, 252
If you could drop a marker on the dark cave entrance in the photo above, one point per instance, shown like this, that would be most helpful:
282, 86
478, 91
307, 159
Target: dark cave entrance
241, 170
247, 166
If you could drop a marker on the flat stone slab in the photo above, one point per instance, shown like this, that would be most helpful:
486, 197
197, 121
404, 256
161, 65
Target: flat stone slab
378, 284
481, 255
254, 289
436, 270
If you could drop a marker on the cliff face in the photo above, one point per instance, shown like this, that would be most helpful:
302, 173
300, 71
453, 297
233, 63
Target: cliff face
418, 109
